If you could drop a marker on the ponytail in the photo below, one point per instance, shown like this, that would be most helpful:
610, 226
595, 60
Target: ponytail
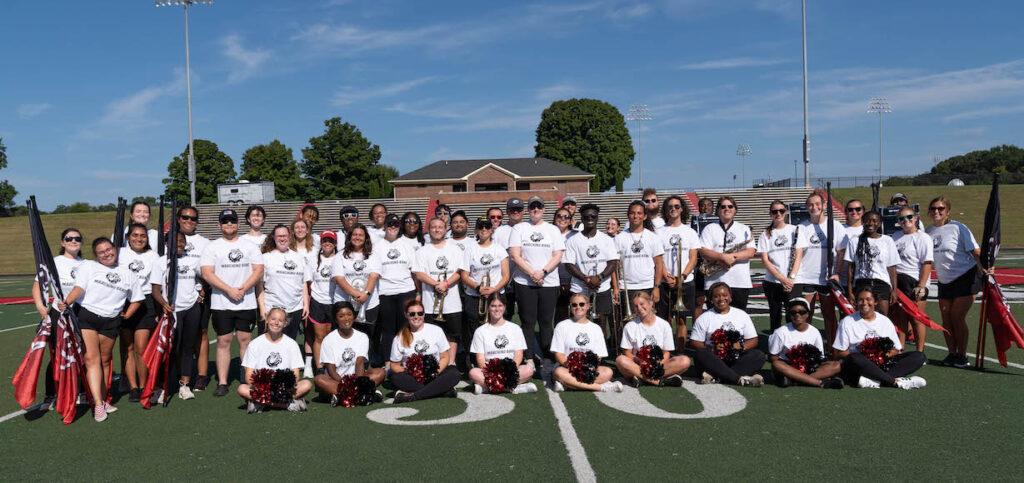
406, 334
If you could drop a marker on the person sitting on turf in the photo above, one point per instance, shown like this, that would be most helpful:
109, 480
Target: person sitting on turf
647, 329
344, 352
274, 351
865, 324
578, 334
718, 360
421, 338
798, 332
498, 338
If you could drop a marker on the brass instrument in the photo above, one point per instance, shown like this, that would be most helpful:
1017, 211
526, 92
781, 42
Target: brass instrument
709, 268
482, 309
592, 315
680, 305
360, 285
439, 300
625, 290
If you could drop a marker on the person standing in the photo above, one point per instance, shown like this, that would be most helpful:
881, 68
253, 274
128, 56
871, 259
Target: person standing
812, 279
872, 259
195, 244
912, 274
349, 216
563, 221
681, 245
729, 244
570, 204
780, 249
378, 213
255, 216
140, 213
185, 307
437, 269
485, 257
412, 231
653, 208
323, 292
356, 271
591, 258
853, 227
135, 330
514, 209
397, 286
641, 253
284, 284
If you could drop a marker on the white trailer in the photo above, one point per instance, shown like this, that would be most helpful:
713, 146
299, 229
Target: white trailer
244, 193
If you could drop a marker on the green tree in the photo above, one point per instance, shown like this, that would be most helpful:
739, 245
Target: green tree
1009, 158
341, 164
7, 192
213, 167
274, 162
589, 134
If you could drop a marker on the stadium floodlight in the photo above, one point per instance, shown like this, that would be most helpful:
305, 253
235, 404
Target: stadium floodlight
807, 132
743, 150
188, 91
639, 113
879, 105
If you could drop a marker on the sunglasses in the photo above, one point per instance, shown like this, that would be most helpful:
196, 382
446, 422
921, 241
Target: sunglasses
393, 224
799, 312
515, 210
856, 209
779, 212
562, 217
411, 221
936, 208
578, 304
536, 206
188, 218
726, 207
654, 200
415, 314
229, 221
442, 213
495, 217
70, 239
905, 218
675, 207
590, 216
349, 215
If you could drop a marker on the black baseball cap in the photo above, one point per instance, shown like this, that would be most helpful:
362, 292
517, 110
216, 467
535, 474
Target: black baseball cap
349, 209
590, 207
514, 203
483, 222
227, 216
392, 219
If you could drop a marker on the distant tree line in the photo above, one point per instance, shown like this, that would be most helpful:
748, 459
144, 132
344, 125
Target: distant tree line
975, 167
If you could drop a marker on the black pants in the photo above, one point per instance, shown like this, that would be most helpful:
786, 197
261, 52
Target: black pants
747, 364
444, 382
185, 335
856, 365
777, 298
537, 307
666, 305
510, 296
391, 319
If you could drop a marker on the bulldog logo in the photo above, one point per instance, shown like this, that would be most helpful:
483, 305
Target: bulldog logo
348, 355
392, 253
582, 339
235, 255
674, 239
780, 242
136, 266
274, 359
441, 263
815, 239
593, 251
113, 278
359, 265
536, 236
421, 346
74, 273
325, 271
486, 259
730, 237
649, 340
289, 265
501, 341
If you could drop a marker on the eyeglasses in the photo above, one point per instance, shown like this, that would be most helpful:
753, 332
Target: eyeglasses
779, 212
412, 221
188, 218
590, 216
905, 218
726, 207
562, 217
70, 239
415, 314
855, 209
799, 312
675, 207
936, 208
578, 304
652, 200
349, 215
495, 217
442, 213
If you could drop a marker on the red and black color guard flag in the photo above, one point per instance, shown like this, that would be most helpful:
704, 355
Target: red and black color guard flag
1005, 329
910, 308
157, 355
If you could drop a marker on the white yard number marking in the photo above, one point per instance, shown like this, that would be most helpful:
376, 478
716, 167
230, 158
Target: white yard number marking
478, 408
718, 401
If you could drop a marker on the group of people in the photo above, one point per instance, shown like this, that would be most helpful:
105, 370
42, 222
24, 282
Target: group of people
424, 305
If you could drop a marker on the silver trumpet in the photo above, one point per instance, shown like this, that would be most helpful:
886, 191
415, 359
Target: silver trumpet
680, 305
482, 309
439, 300
625, 290
360, 285
592, 315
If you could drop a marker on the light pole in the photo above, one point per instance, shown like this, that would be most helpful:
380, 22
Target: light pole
639, 113
188, 91
743, 150
794, 173
807, 133
880, 106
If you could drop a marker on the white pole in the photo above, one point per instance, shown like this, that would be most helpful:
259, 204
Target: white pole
807, 134
188, 96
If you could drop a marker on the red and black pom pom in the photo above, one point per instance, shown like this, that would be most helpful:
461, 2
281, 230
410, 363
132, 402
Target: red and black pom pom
583, 366
282, 386
650, 361
877, 349
805, 357
727, 339
355, 391
259, 386
501, 375
423, 368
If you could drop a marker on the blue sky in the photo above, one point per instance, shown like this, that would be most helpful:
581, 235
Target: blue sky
92, 94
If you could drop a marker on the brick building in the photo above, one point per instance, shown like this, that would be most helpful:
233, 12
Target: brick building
492, 180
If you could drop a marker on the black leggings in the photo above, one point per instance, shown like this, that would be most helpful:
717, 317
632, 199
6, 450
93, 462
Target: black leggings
856, 365
390, 320
185, 336
444, 382
777, 298
747, 364
537, 307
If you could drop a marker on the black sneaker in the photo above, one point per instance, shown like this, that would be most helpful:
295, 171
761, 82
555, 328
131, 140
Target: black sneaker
404, 397
672, 381
135, 395
221, 391
451, 393
949, 360
782, 381
831, 383
633, 382
201, 383
961, 362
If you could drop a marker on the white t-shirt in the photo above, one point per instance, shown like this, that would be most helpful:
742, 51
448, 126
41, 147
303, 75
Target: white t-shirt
463, 243
429, 340
814, 265
952, 245
670, 235
254, 239
343, 352
657, 222
262, 353
572, 336
564, 278
852, 232
151, 234
786, 337
714, 237
440, 262
915, 249
323, 289
710, 321
502, 234
283, 277
141, 264
636, 334
375, 234
638, 252
853, 329
395, 260
356, 271
67, 272
590, 255
538, 244
778, 246
185, 292
233, 263
107, 288
413, 243
880, 254
480, 260
499, 342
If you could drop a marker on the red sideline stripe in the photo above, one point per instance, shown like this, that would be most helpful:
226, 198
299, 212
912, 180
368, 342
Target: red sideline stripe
1004, 276
15, 300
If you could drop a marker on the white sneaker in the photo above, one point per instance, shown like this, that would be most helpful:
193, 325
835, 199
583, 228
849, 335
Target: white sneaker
294, 406
706, 378
756, 380
918, 381
910, 382
532, 364
613, 386
185, 393
868, 383
109, 408
99, 413
525, 388
557, 386
478, 389
157, 397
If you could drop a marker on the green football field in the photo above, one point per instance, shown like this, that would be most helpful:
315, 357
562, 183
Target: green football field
965, 425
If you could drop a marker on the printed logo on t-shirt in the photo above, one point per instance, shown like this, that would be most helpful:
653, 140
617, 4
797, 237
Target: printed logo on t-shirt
189, 247
593, 251
136, 266
74, 273
936, 241
486, 259
348, 355
289, 265
871, 333
536, 236
637, 246
183, 269
582, 339
674, 239
649, 339
274, 359
421, 346
501, 341
441, 263
113, 278
780, 241
325, 271
815, 239
728, 325
359, 265
730, 237
392, 253
873, 251
235, 255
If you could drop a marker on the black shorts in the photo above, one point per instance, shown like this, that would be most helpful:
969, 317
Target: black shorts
800, 289
105, 326
967, 284
698, 281
320, 313
879, 288
452, 324
905, 283
226, 321
143, 318
668, 299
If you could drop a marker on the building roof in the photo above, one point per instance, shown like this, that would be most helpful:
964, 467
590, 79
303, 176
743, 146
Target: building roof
518, 168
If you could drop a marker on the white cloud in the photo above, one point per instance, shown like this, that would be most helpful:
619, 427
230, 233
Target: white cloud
111, 175
244, 62
987, 112
28, 111
557, 92
348, 95
131, 113
731, 63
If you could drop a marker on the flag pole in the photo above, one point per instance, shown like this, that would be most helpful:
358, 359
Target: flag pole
979, 359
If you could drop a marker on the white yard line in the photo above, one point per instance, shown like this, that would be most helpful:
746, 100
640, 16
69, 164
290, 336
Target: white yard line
12, 415
972, 356
22, 327
577, 455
